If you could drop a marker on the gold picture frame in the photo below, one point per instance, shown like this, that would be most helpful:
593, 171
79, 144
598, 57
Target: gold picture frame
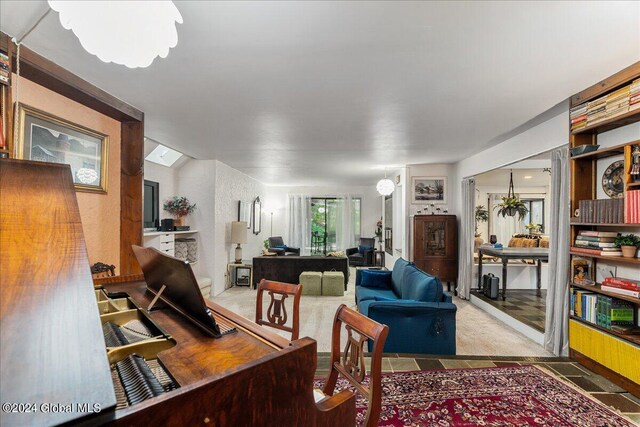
60, 141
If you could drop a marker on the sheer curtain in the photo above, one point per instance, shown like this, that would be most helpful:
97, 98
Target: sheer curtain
556, 322
467, 228
345, 222
299, 220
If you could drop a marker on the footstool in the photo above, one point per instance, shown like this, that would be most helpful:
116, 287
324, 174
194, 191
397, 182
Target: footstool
333, 283
311, 282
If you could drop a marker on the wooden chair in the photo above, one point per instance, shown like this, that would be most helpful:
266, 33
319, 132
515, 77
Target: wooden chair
350, 364
101, 270
277, 312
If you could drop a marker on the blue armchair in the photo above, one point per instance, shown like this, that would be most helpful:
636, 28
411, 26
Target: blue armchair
420, 315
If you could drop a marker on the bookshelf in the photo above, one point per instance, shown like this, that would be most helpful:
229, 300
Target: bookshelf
6, 119
610, 353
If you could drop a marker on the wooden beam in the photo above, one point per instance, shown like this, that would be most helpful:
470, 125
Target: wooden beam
131, 177
620, 78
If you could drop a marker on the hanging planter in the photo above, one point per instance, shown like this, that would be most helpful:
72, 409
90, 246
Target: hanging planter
511, 204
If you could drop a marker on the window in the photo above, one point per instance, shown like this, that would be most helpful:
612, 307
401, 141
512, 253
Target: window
164, 156
536, 212
326, 221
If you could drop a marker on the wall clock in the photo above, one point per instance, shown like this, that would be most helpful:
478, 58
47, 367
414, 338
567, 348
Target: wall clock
613, 180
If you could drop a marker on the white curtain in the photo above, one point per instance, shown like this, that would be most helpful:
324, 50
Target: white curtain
467, 234
299, 220
557, 324
345, 222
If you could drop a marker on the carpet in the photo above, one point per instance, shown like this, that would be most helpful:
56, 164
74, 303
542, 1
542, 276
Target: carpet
503, 396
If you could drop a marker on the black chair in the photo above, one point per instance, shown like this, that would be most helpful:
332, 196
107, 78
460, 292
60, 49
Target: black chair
276, 245
359, 258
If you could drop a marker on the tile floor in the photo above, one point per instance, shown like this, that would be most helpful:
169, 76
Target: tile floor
597, 386
521, 304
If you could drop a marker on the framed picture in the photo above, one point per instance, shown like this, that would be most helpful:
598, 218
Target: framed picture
244, 212
582, 271
429, 189
47, 138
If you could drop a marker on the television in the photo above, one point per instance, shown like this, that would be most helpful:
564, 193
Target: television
151, 210
172, 281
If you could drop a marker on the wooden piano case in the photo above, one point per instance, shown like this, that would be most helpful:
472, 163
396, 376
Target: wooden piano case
54, 358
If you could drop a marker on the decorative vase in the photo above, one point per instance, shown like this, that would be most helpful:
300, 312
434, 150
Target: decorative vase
493, 239
629, 251
178, 221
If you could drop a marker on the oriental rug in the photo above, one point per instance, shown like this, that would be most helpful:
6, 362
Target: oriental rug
502, 396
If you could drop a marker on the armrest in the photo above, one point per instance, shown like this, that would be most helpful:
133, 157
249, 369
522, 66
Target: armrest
337, 399
351, 251
278, 251
290, 249
447, 297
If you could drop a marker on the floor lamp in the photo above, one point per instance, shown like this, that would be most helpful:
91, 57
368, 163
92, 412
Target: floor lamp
238, 236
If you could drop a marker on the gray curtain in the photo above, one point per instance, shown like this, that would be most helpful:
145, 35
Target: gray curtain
467, 235
299, 220
557, 319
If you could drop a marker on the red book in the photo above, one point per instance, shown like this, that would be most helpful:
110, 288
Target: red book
611, 281
618, 286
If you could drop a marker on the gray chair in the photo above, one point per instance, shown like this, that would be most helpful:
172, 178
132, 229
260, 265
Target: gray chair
276, 245
359, 258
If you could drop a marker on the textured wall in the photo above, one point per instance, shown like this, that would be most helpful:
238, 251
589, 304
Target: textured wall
100, 213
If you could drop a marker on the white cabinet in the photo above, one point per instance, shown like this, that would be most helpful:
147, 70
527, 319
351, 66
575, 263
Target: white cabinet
164, 241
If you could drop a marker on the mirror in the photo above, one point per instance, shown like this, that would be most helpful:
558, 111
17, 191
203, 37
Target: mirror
257, 215
244, 212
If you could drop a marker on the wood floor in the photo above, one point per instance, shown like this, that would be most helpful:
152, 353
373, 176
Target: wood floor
598, 387
521, 304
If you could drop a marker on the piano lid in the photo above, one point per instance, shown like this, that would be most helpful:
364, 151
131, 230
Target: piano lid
52, 348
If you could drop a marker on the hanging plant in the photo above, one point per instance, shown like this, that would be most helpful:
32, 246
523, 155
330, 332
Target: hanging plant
511, 204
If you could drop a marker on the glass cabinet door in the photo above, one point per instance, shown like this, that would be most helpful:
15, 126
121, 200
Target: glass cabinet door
435, 238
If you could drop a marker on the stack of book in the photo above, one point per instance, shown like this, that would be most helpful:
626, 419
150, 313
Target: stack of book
598, 243
601, 310
4, 68
621, 286
596, 110
601, 211
634, 95
578, 116
617, 102
632, 207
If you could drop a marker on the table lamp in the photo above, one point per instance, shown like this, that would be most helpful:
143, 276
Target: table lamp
239, 236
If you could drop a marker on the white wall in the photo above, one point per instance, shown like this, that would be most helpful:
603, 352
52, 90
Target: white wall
277, 200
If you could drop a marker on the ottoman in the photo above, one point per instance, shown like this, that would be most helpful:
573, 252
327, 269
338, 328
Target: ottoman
311, 282
333, 283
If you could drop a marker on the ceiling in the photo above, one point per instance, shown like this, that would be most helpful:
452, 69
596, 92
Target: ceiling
327, 93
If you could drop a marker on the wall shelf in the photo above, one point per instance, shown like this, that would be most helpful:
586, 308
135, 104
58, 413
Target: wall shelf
597, 289
601, 224
613, 123
608, 258
602, 153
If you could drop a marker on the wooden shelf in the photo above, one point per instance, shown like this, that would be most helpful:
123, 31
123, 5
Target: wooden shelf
597, 289
604, 152
601, 224
614, 122
619, 259
635, 339
633, 184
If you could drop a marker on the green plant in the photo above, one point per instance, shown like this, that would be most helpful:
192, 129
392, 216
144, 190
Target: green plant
482, 215
533, 227
266, 243
628, 240
179, 206
512, 206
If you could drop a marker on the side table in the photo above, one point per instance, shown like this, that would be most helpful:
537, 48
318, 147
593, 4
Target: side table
233, 278
378, 258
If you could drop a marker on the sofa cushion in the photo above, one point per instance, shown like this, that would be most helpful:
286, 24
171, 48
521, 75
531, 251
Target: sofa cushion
397, 275
362, 249
420, 286
364, 294
375, 279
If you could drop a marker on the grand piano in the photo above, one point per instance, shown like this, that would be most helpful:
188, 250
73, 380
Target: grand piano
72, 352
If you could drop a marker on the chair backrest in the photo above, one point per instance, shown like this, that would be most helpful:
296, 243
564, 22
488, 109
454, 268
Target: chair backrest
276, 316
368, 241
100, 270
350, 363
275, 241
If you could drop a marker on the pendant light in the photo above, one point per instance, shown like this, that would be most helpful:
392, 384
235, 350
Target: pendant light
385, 186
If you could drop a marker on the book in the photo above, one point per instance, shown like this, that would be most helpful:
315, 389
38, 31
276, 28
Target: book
582, 271
619, 286
595, 239
627, 292
599, 233
621, 281
587, 244
595, 252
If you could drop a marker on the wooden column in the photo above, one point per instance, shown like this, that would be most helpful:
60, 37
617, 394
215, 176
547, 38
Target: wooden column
131, 177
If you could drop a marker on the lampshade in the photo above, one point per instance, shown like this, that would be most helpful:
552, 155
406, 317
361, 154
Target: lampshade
239, 232
385, 186
131, 33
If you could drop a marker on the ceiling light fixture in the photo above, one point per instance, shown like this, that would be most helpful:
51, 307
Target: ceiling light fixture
385, 186
527, 177
130, 33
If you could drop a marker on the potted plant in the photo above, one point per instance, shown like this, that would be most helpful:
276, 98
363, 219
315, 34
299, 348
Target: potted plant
629, 244
533, 228
179, 207
482, 215
512, 206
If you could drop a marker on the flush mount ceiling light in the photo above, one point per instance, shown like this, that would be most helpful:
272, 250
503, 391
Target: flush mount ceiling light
385, 186
130, 33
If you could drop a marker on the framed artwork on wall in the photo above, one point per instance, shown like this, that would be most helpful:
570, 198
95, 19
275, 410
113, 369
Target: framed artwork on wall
429, 189
244, 212
47, 138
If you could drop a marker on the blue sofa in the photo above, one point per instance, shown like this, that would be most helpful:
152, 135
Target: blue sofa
420, 315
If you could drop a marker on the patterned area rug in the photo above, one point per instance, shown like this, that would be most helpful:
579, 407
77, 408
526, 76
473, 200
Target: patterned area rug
503, 396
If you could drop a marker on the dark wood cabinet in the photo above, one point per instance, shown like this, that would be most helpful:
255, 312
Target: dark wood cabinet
435, 246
